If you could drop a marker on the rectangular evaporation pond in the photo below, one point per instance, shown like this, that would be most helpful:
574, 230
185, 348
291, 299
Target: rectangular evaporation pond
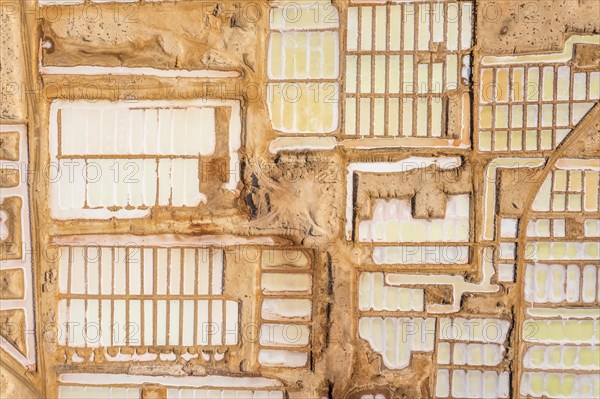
124, 158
